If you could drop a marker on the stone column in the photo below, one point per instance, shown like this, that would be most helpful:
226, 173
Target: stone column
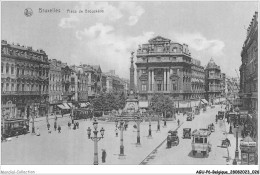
168, 81
149, 79
152, 79
164, 79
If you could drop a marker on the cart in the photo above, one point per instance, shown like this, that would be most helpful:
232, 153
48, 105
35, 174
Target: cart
172, 139
186, 133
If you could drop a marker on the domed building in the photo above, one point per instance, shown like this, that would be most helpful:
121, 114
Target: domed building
212, 82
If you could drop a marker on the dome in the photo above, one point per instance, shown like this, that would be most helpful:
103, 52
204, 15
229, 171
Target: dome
212, 64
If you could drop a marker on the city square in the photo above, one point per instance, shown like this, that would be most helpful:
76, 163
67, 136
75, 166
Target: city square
115, 83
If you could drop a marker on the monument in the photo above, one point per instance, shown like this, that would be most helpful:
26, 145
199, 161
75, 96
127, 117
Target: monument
131, 102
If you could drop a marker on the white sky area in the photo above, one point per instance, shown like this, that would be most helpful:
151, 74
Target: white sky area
211, 29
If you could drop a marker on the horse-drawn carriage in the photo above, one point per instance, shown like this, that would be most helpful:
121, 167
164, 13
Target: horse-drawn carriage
172, 139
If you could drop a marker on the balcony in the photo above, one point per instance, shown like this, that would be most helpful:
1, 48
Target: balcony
214, 77
20, 93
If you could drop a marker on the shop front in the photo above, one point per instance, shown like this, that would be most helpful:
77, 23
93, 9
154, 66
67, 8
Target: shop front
248, 151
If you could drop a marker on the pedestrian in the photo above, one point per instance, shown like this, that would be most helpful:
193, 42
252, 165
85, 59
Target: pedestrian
74, 126
48, 126
104, 155
178, 122
77, 125
59, 129
24, 129
38, 132
68, 125
72, 121
55, 126
125, 126
49, 131
116, 132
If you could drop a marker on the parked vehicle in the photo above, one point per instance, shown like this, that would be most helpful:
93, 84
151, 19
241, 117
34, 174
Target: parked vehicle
211, 127
172, 139
13, 127
221, 115
200, 142
186, 133
189, 118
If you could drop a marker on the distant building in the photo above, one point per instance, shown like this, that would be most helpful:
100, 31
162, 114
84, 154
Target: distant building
213, 82
55, 84
114, 83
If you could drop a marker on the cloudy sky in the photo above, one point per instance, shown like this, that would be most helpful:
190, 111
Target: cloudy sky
211, 29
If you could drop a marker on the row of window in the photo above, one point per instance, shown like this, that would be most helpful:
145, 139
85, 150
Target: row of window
23, 87
20, 71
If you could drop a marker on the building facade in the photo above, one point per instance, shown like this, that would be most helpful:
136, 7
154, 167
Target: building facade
197, 80
114, 83
212, 80
55, 84
24, 81
223, 86
79, 84
249, 68
166, 67
67, 93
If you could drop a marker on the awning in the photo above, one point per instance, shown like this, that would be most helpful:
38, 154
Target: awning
66, 105
194, 103
204, 101
87, 104
70, 105
61, 106
143, 104
184, 105
83, 105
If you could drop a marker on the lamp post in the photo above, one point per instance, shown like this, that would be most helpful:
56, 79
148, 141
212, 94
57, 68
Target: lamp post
158, 124
33, 116
121, 138
95, 139
150, 130
138, 121
165, 124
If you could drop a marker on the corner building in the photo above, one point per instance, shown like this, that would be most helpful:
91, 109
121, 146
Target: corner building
166, 67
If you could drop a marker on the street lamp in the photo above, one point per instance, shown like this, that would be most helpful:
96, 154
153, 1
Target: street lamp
165, 125
158, 124
121, 138
150, 130
138, 121
95, 139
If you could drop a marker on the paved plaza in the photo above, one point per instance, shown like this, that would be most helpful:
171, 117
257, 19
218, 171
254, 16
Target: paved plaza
72, 147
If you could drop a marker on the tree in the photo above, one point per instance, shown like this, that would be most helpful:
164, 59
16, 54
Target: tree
161, 104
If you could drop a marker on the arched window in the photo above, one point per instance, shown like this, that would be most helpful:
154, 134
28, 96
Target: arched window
7, 68
174, 50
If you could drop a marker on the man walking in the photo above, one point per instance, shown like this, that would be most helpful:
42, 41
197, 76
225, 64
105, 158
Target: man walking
104, 154
59, 129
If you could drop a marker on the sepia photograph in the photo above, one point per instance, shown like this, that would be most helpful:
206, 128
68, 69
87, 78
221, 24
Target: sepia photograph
129, 83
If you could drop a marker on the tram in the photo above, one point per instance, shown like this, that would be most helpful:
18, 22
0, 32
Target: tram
13, 127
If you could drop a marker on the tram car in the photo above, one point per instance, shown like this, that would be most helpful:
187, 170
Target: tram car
200, 142
14, 127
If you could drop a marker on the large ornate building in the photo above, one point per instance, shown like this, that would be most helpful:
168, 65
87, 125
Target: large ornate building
249, 67
167, 67
24, 81
213, 80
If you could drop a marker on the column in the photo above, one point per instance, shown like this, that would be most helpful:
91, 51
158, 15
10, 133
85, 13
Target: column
164, 79
149, 79
168, 79
152, 79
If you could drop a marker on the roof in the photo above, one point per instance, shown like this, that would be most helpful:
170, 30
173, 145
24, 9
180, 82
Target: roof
212, 64
201, 132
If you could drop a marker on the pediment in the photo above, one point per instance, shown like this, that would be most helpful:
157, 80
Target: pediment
159, 39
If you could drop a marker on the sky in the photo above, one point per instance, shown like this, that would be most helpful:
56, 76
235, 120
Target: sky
211, 29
